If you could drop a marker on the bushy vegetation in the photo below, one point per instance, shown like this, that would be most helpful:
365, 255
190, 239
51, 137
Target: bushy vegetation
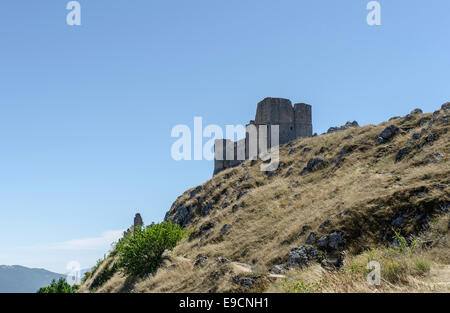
140, 252
422, 266
394, 271
60, 286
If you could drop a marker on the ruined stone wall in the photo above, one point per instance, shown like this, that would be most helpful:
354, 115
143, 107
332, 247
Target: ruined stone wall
293, 121
303, 120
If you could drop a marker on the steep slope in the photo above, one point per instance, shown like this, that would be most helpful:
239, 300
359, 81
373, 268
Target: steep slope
20, 279
333, 198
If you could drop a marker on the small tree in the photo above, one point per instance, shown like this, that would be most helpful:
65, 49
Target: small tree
140, 252
60, 286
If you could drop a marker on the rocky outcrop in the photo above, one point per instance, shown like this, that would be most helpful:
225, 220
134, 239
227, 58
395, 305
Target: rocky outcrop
343, 127
225, 228
313, 165
387, 134
402, 153
446, 107
301, 257
333, 241
138, 220
180, 214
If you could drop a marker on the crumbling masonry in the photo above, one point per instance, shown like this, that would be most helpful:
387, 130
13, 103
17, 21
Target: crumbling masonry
292, 122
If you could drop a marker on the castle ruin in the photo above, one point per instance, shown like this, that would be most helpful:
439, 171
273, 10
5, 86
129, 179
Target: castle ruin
292, 122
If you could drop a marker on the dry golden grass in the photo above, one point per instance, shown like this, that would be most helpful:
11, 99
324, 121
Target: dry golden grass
415, 270
360, 196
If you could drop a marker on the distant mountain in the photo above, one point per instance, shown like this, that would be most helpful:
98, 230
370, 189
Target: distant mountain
22, 279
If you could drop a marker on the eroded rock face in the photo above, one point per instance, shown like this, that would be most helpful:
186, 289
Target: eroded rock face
138, 220
225, 228
181, 215
333, 241
301, 257
336, 240
416, 111
313, 165
344, 127
387, 134
446, 107
424, 120
310, 238
402, 153
205, 227
205, 209
248, 282
322, 242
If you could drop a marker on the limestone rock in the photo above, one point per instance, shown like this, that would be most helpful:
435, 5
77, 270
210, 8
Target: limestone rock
446, 107
278, 269
333, 241
336, 240
301, 257
344, 127
424, 120
310, 239
402, 153
194, 192
204, 228
225, 228
206, 208
138, 221
322, 242
248, 282
313, 165
387, 134
180, 214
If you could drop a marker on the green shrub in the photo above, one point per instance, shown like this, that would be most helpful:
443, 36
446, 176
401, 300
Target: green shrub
394, 271
60, 286
86, 276
357, 268
403, 246
140, 253
422, 266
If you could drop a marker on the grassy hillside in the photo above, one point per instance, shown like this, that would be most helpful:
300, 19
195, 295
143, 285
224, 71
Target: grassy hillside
343, 199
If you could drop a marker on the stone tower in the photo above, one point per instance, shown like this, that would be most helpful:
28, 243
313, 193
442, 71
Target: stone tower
293, 122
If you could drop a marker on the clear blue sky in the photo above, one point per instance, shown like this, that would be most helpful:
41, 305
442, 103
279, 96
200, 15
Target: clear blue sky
86, 111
